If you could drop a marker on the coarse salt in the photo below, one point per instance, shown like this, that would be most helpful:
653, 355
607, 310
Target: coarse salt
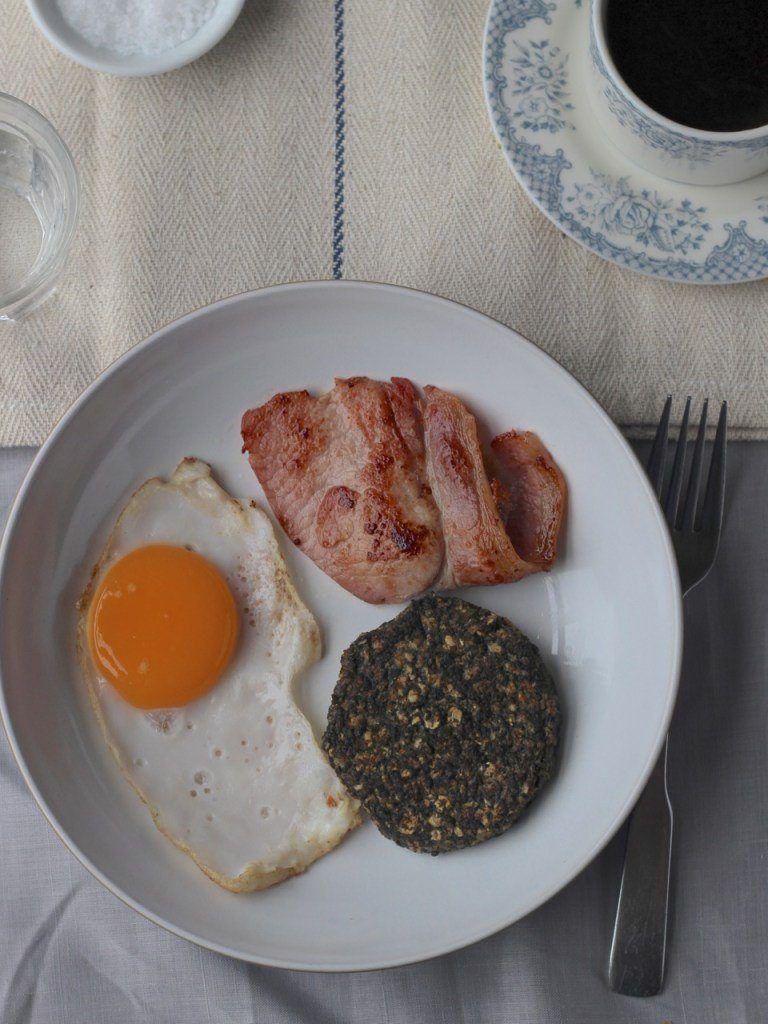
136, 26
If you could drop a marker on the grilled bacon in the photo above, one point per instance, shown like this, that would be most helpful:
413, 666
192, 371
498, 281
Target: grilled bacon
387, 492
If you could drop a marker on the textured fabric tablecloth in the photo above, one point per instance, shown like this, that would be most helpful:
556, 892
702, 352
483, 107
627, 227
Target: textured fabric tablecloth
346, 138
71, 952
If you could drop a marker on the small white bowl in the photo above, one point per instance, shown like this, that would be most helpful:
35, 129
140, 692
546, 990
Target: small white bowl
48, 18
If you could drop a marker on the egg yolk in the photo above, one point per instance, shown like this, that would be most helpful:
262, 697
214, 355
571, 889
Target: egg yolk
162, 626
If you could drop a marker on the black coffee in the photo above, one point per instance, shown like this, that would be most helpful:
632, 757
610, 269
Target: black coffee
702, 63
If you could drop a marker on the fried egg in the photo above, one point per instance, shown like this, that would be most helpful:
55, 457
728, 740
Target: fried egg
190, 637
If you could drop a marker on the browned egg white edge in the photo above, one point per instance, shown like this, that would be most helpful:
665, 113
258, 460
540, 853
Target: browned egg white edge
253, 877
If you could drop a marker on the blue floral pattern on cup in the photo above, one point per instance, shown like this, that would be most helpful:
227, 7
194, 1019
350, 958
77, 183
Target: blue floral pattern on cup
540, 81
636, 228
762, 205
674, 145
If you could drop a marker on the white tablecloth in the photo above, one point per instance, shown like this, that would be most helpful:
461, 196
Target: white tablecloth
71, 953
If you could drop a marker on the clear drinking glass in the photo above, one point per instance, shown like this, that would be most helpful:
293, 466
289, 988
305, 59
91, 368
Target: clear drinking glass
39, 198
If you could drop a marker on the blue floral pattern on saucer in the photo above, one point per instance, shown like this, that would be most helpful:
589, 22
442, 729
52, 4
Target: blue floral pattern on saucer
539, 82
612, 205
703, 235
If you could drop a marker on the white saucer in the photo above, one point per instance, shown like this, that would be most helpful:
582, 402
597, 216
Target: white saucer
536, 65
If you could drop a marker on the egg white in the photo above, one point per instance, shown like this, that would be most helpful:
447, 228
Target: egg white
235, 778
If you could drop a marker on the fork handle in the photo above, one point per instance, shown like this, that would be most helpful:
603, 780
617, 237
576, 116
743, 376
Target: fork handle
638, 950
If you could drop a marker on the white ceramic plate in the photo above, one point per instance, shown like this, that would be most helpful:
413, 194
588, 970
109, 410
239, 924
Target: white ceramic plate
536, 57
607, 620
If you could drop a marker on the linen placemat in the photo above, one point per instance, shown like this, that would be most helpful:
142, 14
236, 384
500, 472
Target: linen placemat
345, 139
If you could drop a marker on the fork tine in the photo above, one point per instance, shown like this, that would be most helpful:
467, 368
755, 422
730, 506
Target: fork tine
694, 480
711, 515
658, 458
676, 481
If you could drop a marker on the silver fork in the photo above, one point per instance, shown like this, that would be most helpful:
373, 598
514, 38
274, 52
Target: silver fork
638, 950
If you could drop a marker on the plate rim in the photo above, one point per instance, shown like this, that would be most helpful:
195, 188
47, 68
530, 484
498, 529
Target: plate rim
644, 269
440, 949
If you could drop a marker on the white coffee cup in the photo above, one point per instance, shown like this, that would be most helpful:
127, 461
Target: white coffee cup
655, 143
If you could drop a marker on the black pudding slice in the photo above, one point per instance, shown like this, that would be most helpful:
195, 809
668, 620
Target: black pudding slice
444, 723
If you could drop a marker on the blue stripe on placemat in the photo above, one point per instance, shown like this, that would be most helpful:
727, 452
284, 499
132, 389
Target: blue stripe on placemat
340, 128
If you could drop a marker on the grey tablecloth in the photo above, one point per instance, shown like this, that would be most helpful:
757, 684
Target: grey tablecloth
71, 952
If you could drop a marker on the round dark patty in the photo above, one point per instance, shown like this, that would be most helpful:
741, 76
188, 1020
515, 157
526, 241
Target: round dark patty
444, 723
